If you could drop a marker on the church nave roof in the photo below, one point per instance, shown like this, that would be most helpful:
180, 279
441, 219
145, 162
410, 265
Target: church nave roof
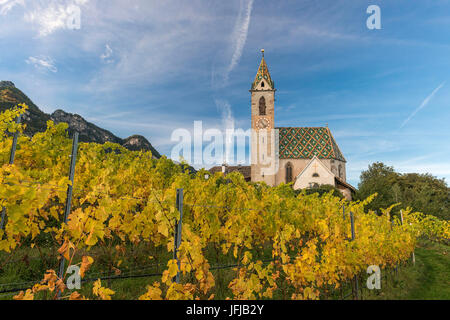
307, 142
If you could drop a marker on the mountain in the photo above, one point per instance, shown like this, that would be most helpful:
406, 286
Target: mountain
88, 132
36, 121
10, 96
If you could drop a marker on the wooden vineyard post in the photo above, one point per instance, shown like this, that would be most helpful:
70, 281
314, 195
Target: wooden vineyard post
11, 161
352, 221
413, 256
69, 197
177, 232
355, 286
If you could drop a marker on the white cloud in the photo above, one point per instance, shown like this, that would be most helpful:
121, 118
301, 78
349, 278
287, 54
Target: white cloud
220, 79
48, 16
440, 169
152, 41
42, 63
7, 5
158, 132
418, 165
55, 15
228, 124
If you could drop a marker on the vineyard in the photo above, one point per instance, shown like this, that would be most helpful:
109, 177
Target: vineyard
124, 214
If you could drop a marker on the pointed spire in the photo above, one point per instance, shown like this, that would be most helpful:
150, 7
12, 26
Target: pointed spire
263, 73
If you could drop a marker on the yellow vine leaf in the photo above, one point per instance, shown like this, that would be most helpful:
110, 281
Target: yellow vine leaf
76, 296
86, 262
28, 295
99, 291
153, 292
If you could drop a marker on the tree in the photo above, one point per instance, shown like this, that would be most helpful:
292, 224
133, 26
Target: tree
422, 192
425, 193
380, 179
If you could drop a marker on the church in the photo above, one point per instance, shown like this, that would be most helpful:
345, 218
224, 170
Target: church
307, 157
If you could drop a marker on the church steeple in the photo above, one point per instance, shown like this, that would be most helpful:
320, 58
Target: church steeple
263, 142
263, 81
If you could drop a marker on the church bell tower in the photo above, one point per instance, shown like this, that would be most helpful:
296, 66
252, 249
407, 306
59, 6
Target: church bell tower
263, 150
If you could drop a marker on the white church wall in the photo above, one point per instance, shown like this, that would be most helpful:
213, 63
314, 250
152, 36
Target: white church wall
307, 178
297, 166
300, 164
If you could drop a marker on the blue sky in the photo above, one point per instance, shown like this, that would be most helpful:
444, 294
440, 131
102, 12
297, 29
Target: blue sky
150, 67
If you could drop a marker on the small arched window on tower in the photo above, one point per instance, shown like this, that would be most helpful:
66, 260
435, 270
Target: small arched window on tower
288, 172
262, 106
340, 171
334, 170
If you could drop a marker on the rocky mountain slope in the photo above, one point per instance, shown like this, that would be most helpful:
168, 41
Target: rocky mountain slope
36, 121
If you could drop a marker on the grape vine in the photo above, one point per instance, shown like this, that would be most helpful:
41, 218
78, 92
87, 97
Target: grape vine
123, 198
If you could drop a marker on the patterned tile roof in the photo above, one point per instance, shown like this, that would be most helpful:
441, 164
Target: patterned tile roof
263, 72
307, 142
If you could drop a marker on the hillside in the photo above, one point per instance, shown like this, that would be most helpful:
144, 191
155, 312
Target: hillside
36, 121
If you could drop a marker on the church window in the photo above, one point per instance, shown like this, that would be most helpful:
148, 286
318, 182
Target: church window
340, 171
334, 170
288, 172
315, 175
262, 106
262, 84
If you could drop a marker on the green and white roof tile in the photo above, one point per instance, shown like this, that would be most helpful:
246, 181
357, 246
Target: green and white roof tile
307, 142
263, 73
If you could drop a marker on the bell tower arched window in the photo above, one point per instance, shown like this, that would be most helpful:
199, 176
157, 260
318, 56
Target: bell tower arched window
262, 106
334, 170
288, 172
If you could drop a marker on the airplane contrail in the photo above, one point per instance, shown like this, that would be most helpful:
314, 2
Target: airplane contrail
423, 105
240, 33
